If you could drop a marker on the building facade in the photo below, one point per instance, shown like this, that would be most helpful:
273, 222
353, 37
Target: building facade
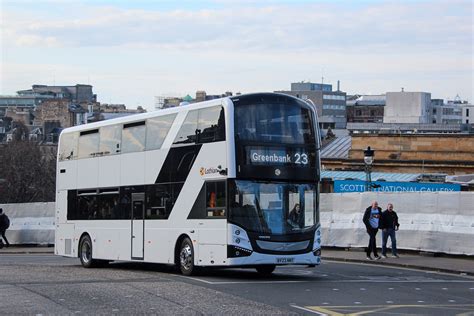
330, 105
365, 109
408, 107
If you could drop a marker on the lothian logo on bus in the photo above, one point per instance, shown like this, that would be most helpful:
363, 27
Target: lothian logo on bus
205, 171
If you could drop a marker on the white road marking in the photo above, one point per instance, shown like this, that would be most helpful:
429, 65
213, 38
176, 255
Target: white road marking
389, 302
420, 301
241, 282
362, 289
444, 288
452, 301
417, 289
330, 281
357, 303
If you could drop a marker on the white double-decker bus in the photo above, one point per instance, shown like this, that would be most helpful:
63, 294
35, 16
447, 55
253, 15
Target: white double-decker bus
226, 182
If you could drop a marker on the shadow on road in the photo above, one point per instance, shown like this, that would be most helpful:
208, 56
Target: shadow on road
292, 273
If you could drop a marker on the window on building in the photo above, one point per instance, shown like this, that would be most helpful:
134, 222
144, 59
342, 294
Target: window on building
110, 139
88, 144
157, 129
467, 112
133, 137
358, 112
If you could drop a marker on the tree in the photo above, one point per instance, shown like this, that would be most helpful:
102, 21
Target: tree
27, 170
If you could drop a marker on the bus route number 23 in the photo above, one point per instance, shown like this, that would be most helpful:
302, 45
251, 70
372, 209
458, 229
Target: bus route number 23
301, 159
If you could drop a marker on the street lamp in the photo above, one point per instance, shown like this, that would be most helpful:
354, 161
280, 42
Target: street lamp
368, 160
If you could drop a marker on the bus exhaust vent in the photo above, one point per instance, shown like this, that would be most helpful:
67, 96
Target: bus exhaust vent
68, 246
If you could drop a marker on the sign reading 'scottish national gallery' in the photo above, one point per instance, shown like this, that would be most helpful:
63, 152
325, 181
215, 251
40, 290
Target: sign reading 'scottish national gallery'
345, 186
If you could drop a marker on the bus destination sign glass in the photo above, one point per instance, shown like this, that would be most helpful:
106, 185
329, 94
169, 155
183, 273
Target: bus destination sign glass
276, 156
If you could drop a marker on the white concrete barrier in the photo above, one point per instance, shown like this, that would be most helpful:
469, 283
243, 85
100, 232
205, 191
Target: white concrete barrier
30, 223
434, 222
429, 221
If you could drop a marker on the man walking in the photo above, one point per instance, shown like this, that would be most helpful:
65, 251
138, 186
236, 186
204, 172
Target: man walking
389, 225
371, 220
4, 224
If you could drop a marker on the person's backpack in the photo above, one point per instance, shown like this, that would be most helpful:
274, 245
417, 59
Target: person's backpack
7, 222
4, 222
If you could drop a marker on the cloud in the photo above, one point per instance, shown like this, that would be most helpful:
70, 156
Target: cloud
133, 52
274, 27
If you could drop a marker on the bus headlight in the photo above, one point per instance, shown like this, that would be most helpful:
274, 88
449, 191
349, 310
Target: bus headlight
238, 237
317, 239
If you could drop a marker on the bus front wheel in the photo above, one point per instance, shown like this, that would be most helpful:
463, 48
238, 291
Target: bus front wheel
266, 270
186, 258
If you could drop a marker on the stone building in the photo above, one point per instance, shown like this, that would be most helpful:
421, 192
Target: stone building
59, 113
409, 153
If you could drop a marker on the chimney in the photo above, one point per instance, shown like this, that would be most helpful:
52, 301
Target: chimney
338, 85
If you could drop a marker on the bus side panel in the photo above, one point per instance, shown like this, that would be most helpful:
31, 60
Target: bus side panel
210, 248
66, 175
154, 160
108, 175
87, 173
159, 241
213, 242
65, 244
132, 168
111, 239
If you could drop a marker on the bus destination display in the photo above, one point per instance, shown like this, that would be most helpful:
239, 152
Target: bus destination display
271, 156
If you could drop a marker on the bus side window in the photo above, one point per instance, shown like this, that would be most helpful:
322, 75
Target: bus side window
133, 137
211, 125
68, 149
215, 199
110, 140
89, 144
157, 129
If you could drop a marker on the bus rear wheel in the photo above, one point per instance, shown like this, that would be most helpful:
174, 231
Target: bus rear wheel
85, 253
266, 270
186, 258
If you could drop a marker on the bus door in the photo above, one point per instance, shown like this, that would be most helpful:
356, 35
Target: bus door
138, 225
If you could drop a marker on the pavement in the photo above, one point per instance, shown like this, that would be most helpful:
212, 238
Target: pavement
463, 265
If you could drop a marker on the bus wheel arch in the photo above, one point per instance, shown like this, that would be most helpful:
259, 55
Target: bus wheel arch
185, 255
85, 250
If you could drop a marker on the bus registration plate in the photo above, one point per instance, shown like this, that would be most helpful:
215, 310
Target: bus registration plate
285, 260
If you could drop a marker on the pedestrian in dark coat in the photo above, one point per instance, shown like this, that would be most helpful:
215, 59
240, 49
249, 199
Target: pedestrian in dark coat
371, 220
389, 225
4, 224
